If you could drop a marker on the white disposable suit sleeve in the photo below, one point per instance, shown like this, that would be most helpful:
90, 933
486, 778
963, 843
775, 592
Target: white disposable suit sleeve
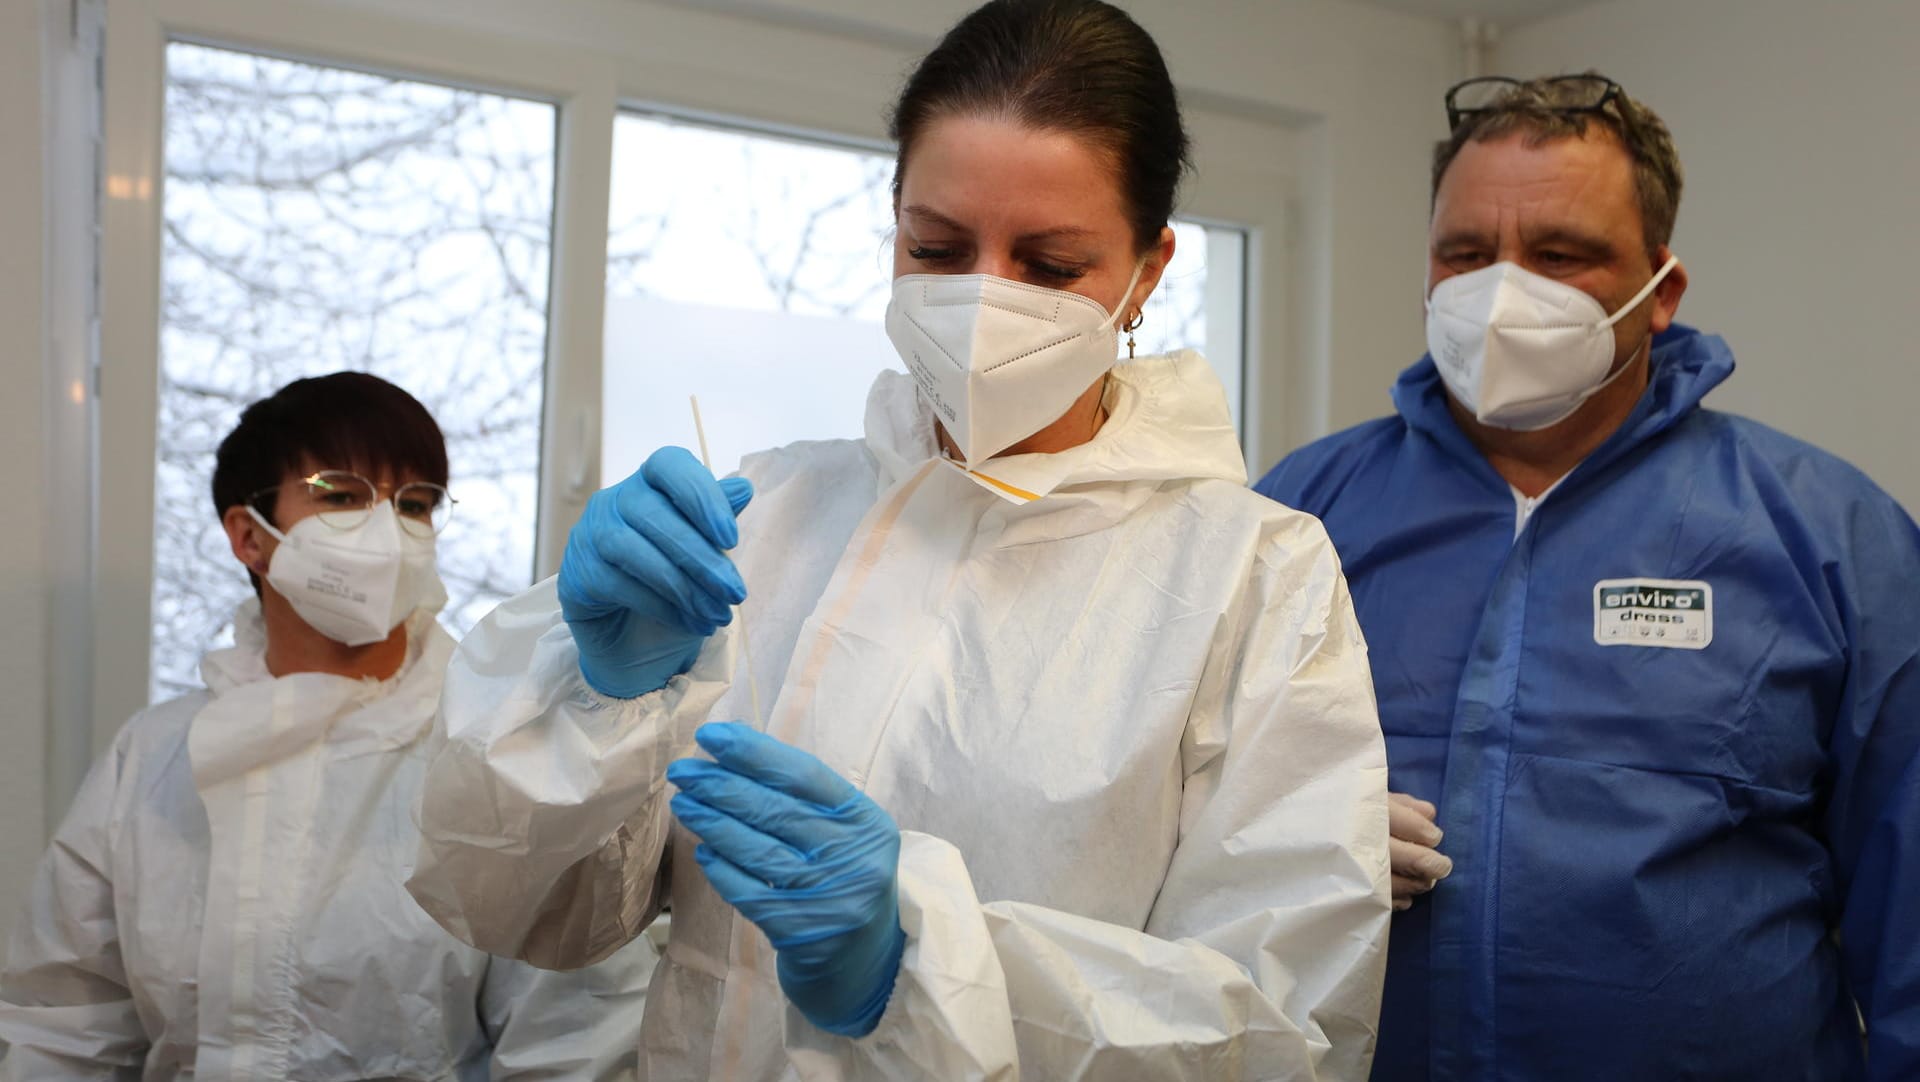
1266, 949
65, 1008
544, 815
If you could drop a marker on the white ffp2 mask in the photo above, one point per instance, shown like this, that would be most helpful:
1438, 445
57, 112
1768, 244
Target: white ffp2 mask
355, 585
1522, 351
999, 360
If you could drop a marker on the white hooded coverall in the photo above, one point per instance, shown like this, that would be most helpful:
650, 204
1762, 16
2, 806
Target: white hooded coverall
1127, 730
225, 900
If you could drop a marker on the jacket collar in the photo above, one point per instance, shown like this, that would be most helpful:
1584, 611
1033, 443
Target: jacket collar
245, 662
1684, 366
255, 719
1167, 420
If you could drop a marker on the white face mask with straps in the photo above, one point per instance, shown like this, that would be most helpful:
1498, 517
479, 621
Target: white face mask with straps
1522, 351
354, 585
1000, 360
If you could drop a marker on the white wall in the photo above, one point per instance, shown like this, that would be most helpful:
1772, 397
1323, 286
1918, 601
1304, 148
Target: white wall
23, 557
1801, 216
1367, 87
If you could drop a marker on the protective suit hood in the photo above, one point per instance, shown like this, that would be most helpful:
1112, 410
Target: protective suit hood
245, 661
1167, 420
227, 741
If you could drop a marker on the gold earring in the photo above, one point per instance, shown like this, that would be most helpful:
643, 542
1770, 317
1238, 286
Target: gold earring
1131, 326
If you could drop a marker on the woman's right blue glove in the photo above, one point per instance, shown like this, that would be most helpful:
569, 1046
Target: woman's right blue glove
810, 859
645, 580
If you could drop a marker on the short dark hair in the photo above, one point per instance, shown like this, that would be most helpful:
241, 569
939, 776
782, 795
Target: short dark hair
1079, 66
347, 420
1538, 109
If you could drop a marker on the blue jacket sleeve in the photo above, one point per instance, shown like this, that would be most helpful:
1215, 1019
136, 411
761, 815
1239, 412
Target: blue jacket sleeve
1873, 816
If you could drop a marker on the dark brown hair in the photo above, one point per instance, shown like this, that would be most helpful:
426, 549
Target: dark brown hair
1539, 109
1079, 66
347, 420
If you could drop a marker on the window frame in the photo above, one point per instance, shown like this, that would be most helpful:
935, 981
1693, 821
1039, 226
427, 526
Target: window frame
138, 32
590, 59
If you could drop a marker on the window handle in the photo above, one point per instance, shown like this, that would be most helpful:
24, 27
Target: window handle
580, 469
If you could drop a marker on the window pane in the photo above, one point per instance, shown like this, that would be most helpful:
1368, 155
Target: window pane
318, 219
1202, 291
754, 270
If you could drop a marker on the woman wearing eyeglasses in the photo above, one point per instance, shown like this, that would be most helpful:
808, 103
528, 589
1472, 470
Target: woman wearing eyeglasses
225, 898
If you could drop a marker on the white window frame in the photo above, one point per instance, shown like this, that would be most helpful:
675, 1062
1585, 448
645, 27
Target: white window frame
137, 35
588, 58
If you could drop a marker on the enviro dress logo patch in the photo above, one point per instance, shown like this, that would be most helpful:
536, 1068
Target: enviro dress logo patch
1653, 612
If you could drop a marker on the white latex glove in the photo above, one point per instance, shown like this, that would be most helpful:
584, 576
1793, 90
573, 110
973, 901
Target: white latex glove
1417, 863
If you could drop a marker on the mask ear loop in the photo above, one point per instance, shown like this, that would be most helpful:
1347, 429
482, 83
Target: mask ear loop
1645, 292
272, 531
1617, 373
1606, 324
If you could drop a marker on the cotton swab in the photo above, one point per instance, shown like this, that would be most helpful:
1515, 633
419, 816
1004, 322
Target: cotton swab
739, 613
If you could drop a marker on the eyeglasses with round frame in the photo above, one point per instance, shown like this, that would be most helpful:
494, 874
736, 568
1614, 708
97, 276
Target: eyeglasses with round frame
344, 500
1592, 94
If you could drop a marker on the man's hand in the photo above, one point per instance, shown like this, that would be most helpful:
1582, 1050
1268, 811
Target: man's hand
1416, 861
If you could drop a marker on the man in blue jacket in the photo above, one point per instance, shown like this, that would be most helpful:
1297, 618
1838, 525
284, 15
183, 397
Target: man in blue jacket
1654, 669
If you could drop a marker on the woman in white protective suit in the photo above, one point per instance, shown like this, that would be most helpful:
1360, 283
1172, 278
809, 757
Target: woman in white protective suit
226, 897
1070, 767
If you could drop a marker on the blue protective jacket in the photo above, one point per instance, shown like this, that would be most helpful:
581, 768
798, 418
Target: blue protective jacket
1673, 731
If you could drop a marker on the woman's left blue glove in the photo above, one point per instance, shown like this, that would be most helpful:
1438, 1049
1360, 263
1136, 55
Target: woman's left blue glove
807, 857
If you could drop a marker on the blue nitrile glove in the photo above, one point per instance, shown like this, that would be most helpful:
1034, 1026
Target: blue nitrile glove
807, 857
645, 581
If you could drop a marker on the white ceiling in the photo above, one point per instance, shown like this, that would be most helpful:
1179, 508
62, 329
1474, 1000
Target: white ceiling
1501, 12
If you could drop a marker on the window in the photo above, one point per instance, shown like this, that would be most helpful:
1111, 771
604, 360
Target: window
260, 219
318, 219
754, 270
